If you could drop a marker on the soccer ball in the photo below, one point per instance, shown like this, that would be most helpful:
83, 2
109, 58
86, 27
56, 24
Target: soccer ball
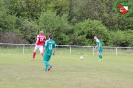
81, 57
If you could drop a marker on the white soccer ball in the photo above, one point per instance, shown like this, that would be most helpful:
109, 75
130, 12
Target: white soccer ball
81, 57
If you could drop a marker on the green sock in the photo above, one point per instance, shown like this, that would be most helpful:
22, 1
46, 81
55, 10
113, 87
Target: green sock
47, 64
100, 56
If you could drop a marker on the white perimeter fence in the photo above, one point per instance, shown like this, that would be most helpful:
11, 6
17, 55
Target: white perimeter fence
72, 49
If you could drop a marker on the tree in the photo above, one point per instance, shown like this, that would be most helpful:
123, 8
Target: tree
59, 6
27, 30
7, 21
79, 10
58, 26
86, 30
104, 11
122, 38
33, 8
128, 38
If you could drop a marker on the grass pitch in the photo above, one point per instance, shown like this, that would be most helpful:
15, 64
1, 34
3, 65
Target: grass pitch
17, 71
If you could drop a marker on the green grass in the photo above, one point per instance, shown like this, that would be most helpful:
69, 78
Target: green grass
17, 71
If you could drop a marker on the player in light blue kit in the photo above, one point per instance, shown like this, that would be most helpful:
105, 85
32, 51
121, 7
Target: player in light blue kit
49, 48
100, 48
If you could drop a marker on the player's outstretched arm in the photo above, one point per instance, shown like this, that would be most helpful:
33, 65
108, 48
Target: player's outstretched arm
96, 47
37, 40
54, 51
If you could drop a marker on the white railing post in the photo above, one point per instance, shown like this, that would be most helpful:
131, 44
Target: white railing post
116, 51
23, 48
70, 49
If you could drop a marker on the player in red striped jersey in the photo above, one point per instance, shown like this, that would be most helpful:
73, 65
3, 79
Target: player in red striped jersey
39, 44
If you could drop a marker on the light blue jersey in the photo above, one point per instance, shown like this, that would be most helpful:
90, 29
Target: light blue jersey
99, 45
49, 46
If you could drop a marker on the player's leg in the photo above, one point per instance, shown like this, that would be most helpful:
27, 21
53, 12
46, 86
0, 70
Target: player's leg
100, 53
41, 50
46, 59
45, 62
50, 66
34, 53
